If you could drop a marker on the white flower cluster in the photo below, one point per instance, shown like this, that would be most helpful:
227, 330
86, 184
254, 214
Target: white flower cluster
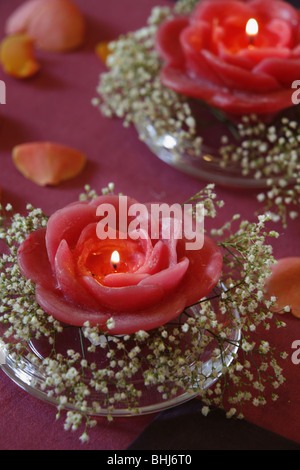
270, 153
132, 90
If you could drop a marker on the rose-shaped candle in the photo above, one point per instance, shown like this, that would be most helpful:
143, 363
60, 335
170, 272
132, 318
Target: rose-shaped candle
210, 56
138, 283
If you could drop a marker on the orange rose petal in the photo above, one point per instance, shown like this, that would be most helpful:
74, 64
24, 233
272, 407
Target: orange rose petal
17, 56
55, 25
102, 50
284, 284
47, 163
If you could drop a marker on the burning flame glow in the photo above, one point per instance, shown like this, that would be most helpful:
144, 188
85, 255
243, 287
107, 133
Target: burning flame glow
252, 27
115, 258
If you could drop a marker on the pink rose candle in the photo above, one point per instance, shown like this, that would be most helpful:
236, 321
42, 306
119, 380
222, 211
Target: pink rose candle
211, 56
139, 283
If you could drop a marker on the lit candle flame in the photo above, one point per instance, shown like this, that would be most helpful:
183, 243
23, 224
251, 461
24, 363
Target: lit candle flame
252, 28
115, 259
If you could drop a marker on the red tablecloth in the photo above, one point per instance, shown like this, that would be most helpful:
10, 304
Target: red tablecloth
56, 106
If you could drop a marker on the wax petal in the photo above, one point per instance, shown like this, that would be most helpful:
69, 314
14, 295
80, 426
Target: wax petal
47, 163
68, 223
67, 281
236, 77
169, 278
145, 243
33, 259
168, 40
17, 56
284, 284
53, 303
240, 59
178, 80
158, 260
123, 279
281, 10
89, 232
55, 25
149, 318
234, 102
280, 33
258, 55
126, 322
242, 103
285, 71
193, 49
205, 267
133, 297
209, 10
171, 231
178, 46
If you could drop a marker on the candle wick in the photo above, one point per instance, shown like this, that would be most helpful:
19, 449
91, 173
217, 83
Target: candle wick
115, 266
251, 30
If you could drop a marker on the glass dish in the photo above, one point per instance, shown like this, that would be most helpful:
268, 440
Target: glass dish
27, 374
240, 154
206, 166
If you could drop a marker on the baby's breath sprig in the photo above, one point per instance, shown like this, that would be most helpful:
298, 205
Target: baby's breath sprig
132, 90
185, 7
270, 153
90, 194
240, 299
247, 262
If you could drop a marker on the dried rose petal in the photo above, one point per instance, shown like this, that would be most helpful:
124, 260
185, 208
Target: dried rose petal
17, 56
55, 25
47, 163
102, 50
284, 284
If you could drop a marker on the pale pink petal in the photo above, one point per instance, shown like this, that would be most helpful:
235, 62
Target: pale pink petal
53, 303
236, 77
67, 281
158, 260
171, 50
55, 25
169, 278
285, 71
123, 298
284, 284
149, 318
123, 279
18, 21
68, 224
204, 271
33, 259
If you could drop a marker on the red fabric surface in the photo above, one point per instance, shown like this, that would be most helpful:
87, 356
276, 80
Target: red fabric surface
56, 105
